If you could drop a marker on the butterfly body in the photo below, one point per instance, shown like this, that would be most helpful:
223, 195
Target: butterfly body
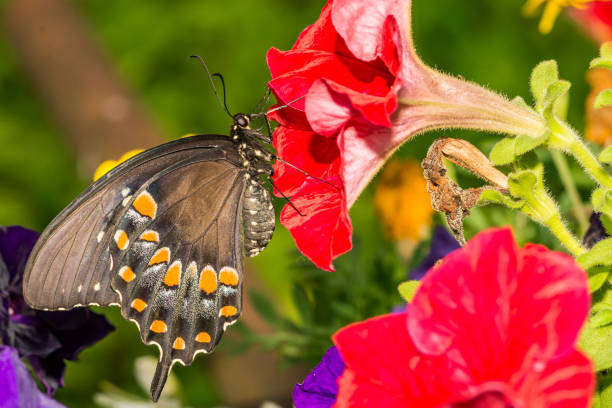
163, 236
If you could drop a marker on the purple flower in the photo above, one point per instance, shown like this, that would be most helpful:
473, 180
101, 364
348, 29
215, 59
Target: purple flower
46, 339
442, 243
319, 388
596, 231
17, 387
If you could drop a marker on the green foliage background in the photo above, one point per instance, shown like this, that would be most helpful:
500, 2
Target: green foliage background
485, 41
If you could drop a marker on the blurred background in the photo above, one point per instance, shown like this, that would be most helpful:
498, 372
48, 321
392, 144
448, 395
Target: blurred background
85, 81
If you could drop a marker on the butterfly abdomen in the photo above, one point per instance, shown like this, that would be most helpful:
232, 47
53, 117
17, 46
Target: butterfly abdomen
258, 218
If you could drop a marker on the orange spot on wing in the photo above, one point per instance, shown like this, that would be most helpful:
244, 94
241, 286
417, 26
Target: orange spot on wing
158, 326
208, 280
161, 255
150, 236
145, 204
228, 276
121, 239
173, 276
228, 311
179, 344
139, 304
203, 337
127, 274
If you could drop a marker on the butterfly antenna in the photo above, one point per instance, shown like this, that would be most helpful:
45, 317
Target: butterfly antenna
159, 378
285, 197
212, 84
262, 102
305, 173
284, 106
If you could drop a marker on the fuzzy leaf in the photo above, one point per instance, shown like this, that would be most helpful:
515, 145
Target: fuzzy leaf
607, 223
606, 155
605, 57
598, 275
503, 152
598, 255
553, 93
596, 338
408, 289
603, 394
542, 76
602, 200
494, 196
518, 101
525, 143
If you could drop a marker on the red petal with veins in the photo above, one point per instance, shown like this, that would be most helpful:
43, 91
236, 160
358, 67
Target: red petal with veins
324, 231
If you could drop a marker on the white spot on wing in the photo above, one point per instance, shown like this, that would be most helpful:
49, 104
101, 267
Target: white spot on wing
126, 200
97, 287
125, 192
100, 236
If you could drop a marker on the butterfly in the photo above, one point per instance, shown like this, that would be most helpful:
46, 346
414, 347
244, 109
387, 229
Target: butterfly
163, 236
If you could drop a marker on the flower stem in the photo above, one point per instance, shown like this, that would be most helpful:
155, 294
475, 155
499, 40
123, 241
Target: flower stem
568, 182
565, 138
557, 227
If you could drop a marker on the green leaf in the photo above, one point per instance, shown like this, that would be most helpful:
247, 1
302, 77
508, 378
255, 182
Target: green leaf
605, 57
607, 223
606, 155
603, 394
603, 99
598, 255
494, 196
525, 143
408, 289
596, 338
553, 92
522, 183
503, 152
598, 275
544, 74
602, 200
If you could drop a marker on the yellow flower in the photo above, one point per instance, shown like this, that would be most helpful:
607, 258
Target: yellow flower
551, 10
108, 165
598, 121
402, 201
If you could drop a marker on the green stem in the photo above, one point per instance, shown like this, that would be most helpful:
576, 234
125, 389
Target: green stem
568, 182
557, 227
584, 156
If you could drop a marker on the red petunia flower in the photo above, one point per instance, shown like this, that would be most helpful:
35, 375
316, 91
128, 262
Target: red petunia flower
364, 92
491, 326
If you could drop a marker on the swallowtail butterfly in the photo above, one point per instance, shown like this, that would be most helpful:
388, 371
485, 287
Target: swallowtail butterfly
162, 236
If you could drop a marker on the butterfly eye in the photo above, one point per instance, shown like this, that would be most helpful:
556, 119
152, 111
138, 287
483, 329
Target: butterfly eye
242, 121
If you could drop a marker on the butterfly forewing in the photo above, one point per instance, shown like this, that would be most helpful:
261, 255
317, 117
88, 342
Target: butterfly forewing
69, 265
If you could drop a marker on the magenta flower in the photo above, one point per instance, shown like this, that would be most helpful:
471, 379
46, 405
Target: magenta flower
365, 93
491, 326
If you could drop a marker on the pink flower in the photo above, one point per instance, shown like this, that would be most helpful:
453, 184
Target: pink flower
365, 92
491, 326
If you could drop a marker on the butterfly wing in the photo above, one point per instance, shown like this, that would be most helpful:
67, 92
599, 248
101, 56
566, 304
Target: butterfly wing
160, 235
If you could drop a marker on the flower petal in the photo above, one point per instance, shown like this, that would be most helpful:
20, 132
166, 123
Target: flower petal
320, 387
530, 302
364, 25
312, 153
325, 216
17, 387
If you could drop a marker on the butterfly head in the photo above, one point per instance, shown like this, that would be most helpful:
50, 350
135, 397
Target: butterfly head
241, 121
